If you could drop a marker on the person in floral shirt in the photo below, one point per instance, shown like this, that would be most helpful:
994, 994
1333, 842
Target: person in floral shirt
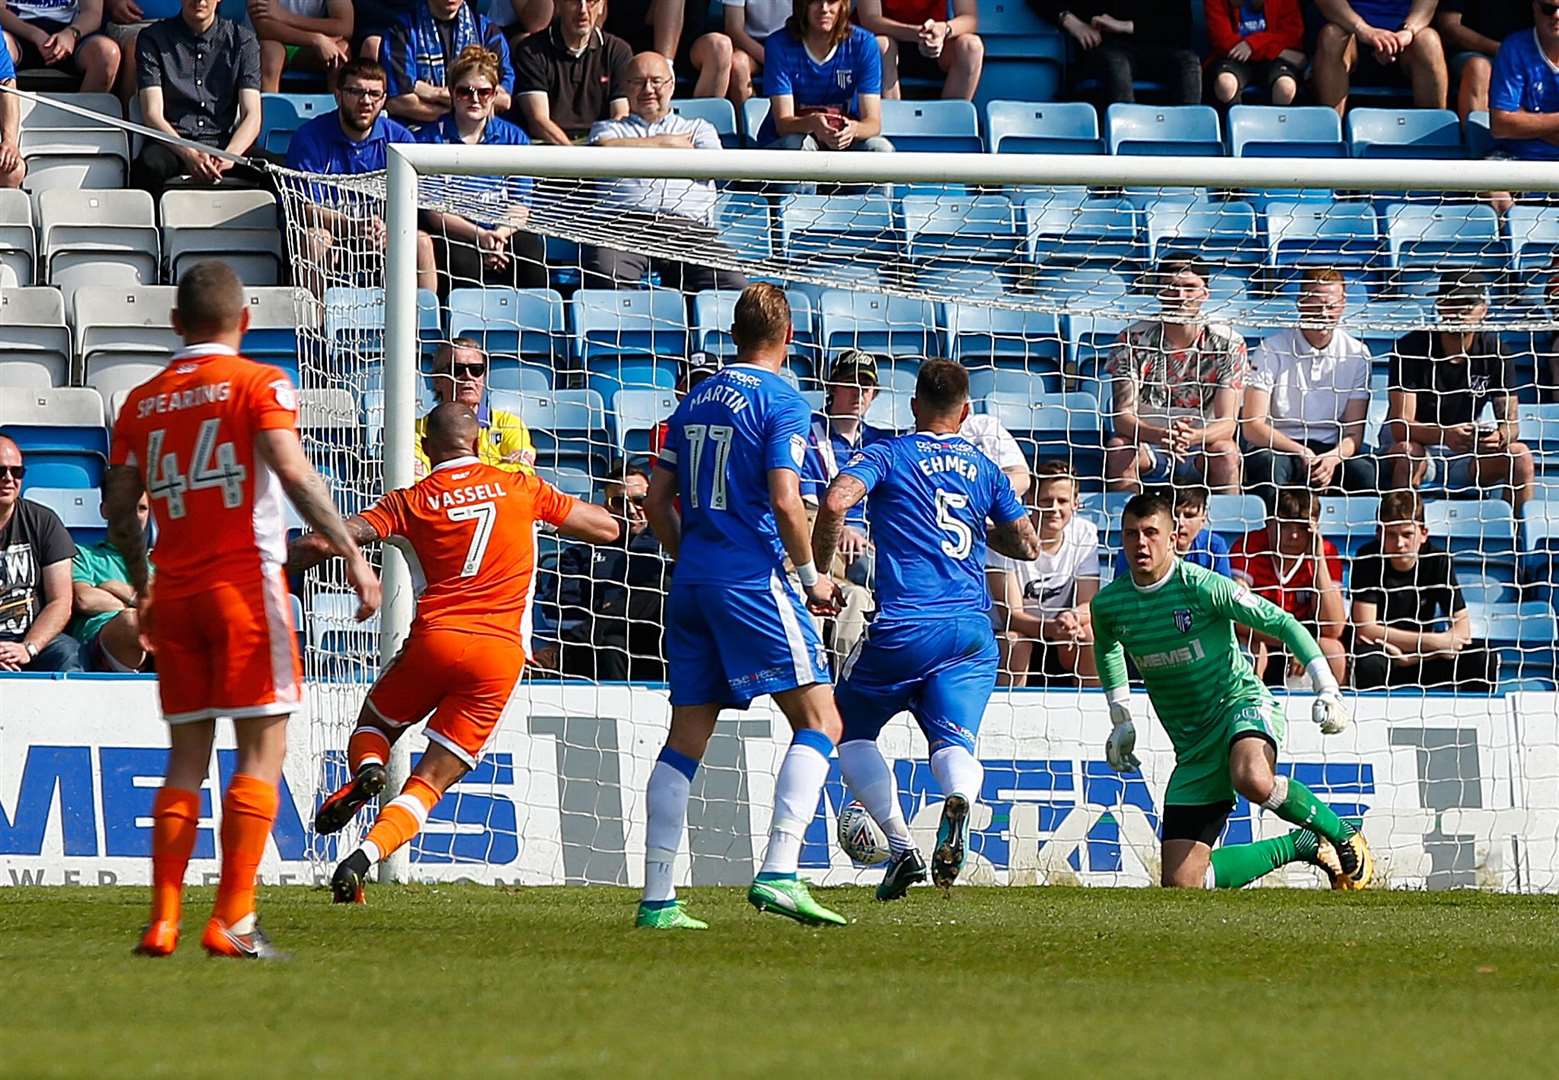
1176, 383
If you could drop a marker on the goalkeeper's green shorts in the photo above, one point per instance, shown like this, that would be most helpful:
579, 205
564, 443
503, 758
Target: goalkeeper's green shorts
1201, 773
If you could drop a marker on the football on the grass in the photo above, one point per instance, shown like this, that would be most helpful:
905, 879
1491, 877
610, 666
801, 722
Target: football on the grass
859, 836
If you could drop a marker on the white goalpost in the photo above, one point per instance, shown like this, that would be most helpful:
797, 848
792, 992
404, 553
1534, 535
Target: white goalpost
1027, 268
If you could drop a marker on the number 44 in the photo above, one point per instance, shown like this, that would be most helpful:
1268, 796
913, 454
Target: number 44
215, 466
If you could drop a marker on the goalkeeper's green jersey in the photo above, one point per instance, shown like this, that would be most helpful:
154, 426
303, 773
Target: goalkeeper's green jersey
1180, 634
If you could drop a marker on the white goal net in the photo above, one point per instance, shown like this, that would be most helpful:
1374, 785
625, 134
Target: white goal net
1286, 361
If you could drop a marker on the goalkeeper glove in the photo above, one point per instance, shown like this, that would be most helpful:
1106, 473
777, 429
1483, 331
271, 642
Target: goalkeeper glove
1122, 741
1328, 711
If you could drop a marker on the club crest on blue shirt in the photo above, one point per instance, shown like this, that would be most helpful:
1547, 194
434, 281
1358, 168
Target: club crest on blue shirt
1183, 620
844, 77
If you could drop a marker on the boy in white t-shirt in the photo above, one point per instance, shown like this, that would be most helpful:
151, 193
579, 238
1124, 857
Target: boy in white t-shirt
1040, 607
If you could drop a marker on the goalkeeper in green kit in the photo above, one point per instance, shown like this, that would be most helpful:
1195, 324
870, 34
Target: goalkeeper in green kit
1176, 621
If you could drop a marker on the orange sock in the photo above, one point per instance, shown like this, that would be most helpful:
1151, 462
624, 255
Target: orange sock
403, 818
175, 821
367, 744
247, 814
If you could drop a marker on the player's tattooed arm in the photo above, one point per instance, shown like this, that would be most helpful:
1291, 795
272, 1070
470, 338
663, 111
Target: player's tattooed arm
122, 488
311, 549
841, 497
1015, 539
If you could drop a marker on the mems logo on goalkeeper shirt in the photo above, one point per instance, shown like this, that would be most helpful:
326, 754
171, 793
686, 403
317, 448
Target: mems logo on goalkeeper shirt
1186, 654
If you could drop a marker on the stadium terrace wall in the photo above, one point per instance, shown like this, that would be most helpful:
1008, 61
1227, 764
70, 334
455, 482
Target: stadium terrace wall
1453, 792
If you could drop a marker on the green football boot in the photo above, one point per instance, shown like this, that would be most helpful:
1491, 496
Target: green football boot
667, 917
788, 896
952, 842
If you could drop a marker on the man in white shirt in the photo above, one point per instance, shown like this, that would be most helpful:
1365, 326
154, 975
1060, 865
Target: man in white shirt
1306, 400
1039, 607
996, 442
651, 214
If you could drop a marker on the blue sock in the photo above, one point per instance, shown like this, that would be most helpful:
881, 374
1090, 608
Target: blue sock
681, 762
657, 905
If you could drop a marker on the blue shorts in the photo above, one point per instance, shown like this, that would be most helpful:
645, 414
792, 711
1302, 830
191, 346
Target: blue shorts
941, 670
1166, 469
726, 646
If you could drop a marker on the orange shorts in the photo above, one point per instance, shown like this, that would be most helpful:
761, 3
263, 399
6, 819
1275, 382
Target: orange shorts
227, 651
464, 680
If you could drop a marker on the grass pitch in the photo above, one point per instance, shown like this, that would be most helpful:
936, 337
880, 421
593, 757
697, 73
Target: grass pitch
457, 981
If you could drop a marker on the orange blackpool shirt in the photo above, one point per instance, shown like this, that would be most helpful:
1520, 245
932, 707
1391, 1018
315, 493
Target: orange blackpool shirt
472, 530
191, 431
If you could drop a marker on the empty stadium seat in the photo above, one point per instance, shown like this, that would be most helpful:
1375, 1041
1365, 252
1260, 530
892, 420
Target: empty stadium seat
1480, 533
354, 319
1089, 339
719, 112
1085, 287
76, 507
98, 238
1404, 133
575, 482
124, 335
944, 125
1173, 130
1476, 135
569, 427
878, 323
891, 412
1538, 427
1067, 228
18, 240
240, 227
61, 434
1232, 516
755, 110
1214, 232
282, 114
974, 228
832, 229
65, 149
638, 414
1025, 55
744, 220
1524, 634
1051, 127
1534, 236
1423, 241
1065, 426
1349, 521
629, 338
515, 326
35, 347
1305, 233
1012, 383
981, 334
1285, 131
272, 337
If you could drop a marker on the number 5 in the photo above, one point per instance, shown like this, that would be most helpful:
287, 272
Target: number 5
961, 536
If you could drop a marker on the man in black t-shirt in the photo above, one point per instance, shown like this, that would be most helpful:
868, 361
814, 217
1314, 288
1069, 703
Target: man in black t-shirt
570, 75
1411, 626
35, 589
1452, 417
1472, 31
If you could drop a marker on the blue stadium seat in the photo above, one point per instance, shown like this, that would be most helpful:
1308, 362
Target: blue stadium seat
1065, 426
575, 482
1163, 130
1089, 339
272, 337
1305, 233
961, 229
1538, 564
1381, 322
1215, 232
515, 326
713, 310
1534, 236
632, 338
1053, 127
890, 411
60, 432
878, 323
637, 414
1538, 427
1088, 286
1423, 241
1404, 133
1349, 521
1012, 384
1476, 135
354, 319
755, 110
77, 508
1525, 635
1067, 228
38, 348
718, 111
1025, 55
943, 125
830, 229
1232, 516
744, 220
1003, 337
1480, 533
282, 114
1285, 131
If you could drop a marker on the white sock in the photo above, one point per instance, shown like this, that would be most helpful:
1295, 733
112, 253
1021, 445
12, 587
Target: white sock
371, 849
796, 791
869, 779
666, 810
958, 772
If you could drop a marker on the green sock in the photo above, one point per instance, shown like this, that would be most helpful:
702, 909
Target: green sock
1239, 864
1302, 808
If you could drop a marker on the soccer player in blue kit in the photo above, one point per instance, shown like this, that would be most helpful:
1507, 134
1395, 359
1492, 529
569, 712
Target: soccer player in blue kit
735, 627
930, 649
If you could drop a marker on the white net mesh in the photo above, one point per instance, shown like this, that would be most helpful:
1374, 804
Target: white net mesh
1425, 350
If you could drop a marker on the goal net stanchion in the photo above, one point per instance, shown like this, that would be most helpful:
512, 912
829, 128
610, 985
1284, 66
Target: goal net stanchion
1026, 268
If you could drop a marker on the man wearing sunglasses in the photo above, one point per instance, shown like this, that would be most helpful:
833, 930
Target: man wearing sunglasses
1523, 93
349, 141
35, 591
460, 374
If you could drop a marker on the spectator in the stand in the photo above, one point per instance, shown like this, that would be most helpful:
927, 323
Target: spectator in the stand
1255, 41
123, 21
519, 19
1195, 542
1377, 41
347, 142
311, 35
824, 80
1524, 92
1123, 41
1441, 381
571, 76
1290, 563
12, 165
199, 78
62, 34
612, 597
698, 367
993, 440
1176, 383
1039, 607
1472, 31
497, 250
837, 433
676, 30
35, 555
1411, 626
460, 374
918, 39
1306, 400
645, 211
749, 24
106, 621
421, 51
